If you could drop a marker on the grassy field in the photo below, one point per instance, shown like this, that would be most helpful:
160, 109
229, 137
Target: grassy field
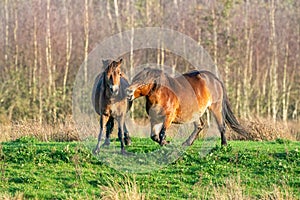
67, 170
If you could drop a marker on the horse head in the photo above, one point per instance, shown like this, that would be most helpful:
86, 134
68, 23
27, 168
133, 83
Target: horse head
143, 83
113, 75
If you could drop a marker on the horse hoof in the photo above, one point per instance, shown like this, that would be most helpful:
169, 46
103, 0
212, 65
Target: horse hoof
224, 144
127, 141
96, 151
123, 152
106, 144
164, 142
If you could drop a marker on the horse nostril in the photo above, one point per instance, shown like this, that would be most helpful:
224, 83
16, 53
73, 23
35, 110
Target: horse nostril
111, 88
128, 91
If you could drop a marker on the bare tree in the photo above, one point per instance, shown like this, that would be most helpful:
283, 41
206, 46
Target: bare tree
35, 56
274, 60
255, 45
49, 50
6, 32
215, 35
16, 35
86, 37
68, 48
248, 62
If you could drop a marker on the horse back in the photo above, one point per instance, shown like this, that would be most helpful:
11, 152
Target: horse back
206, 85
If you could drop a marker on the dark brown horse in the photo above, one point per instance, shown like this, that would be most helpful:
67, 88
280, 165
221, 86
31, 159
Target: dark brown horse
183, 99
110, 102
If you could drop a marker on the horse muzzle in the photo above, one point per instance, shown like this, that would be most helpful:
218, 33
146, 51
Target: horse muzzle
114, 90
130, 94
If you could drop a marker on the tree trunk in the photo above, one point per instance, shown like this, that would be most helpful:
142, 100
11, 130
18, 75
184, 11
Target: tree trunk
40, 92
245, 105
258, 82
6, 52
86, 38
238, 91
274, 62
48, 50
162, 62
109, 14
215, 35
35, 58
16, 36
131, 58
68, 49
119, 27
50, 66
264, 93
284, 87
226, 64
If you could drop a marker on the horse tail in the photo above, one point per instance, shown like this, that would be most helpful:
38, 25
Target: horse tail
229, 117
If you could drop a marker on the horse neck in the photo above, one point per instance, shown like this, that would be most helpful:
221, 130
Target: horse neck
122, 89
106, 92
150, 89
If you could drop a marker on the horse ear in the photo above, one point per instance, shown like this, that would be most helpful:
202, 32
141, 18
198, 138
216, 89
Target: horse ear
154, 84
119, 62
105, 63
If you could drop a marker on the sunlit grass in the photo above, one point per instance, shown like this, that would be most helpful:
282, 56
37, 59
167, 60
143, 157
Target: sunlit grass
33, 169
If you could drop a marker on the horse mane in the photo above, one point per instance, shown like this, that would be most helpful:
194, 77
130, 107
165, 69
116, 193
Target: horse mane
197, 72
149, 74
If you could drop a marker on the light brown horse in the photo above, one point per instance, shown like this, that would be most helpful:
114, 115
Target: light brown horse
183, 99
110, 102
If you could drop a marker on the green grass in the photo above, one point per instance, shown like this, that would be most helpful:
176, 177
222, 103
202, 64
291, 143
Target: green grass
67, 170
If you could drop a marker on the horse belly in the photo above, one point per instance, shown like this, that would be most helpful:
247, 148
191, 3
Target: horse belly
187, 115
192, 107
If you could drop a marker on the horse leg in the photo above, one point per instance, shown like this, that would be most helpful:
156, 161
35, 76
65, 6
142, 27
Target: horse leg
120, 132
217, 112
198, 127
103, 121
109, 129
162, 133
155, 130
127, 138
158, 131
162, 136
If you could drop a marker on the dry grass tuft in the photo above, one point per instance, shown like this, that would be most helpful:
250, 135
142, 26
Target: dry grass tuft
264, 129
259, 129
278, 193
126, 190
233, 189
17, 196
45, 132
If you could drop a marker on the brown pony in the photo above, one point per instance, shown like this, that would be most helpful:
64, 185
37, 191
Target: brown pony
110, 102
183, 99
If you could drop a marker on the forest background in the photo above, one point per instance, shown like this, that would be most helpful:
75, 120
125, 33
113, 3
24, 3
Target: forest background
255, 45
